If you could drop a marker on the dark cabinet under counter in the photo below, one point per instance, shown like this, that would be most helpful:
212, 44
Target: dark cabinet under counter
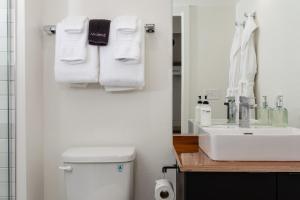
288, 186
200, 178
237, 186
232, 186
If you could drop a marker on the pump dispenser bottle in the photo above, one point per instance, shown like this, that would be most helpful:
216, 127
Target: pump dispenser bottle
264, 113
206, 114
279, 114
198, 111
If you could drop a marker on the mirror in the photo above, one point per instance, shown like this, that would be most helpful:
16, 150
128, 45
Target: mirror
203, 35
202, 39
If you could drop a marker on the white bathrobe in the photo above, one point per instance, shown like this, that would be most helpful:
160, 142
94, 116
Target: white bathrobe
235, 62
248, 60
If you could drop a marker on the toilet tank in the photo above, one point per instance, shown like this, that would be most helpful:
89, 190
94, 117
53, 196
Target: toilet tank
96, 173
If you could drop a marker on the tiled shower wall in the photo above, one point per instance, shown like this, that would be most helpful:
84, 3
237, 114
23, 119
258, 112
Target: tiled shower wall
7, 100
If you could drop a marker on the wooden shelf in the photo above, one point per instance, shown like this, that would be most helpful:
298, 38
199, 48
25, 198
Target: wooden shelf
191, 158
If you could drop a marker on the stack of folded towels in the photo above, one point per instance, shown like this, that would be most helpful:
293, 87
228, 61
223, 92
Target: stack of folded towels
75, 60
122, 61
121, 52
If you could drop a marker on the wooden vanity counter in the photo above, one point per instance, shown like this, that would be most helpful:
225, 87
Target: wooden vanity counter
190, 158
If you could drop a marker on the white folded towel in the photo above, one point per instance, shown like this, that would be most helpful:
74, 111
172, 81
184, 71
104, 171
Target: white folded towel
128, 44
118, 89
86, 72
73, 46
128, 51
121, 76
74, 24
126, 23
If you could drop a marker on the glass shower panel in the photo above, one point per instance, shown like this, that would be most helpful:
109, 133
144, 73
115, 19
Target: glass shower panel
7, 99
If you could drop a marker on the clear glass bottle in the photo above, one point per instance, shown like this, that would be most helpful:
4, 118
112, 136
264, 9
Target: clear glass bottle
231, 110
264, 113
279, 116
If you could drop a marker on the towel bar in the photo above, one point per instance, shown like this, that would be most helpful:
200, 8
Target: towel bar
51, 29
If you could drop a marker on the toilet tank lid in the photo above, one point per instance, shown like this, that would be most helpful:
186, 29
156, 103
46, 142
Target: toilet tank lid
99, 154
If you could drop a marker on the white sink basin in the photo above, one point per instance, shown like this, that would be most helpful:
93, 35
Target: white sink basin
230, 143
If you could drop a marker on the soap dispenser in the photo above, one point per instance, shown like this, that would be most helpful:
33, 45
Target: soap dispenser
279, 114
206, 114
198, 111
264, 113
231, 110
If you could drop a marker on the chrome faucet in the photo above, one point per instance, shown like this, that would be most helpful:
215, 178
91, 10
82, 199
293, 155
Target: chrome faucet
231, 110
244, 112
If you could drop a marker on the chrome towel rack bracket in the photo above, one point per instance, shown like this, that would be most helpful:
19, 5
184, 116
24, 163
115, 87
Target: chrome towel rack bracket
50, 29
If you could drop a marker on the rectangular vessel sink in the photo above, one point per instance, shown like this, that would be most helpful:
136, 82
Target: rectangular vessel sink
229, 143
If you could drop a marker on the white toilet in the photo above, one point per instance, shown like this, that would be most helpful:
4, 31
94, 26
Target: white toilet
99, 173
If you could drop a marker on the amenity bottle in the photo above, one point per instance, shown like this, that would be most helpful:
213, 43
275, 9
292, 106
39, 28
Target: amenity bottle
206, 117
264, 113
198, 111
279, 116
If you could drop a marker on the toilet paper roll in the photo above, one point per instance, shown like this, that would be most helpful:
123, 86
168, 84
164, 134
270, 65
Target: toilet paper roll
164, 190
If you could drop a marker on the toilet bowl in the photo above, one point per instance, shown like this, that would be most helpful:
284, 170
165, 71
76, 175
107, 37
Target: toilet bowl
96, 173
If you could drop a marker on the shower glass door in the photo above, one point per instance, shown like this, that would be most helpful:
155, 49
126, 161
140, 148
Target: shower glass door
7, 99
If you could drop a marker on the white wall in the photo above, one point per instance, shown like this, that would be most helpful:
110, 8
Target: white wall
211, 33
29, 100
34, 99
204, 2
278, 46
85, 117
